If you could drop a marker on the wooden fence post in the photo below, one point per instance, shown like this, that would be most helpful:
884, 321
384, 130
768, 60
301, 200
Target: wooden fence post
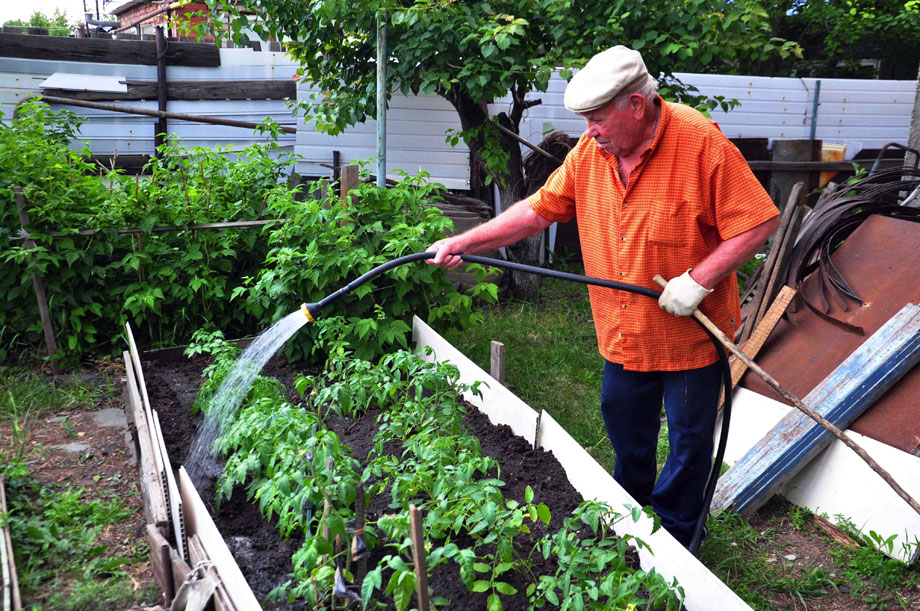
498, 362
349, 180
38, 285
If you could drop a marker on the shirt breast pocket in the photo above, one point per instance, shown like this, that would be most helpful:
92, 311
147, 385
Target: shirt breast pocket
667, 223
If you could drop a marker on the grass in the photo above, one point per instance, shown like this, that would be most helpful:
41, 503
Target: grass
64, 556
552, 363
551, 359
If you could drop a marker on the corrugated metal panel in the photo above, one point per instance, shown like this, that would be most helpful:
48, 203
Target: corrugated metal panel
858, 113
416, 128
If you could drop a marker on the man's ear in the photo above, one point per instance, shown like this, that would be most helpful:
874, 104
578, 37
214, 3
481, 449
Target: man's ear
637, 105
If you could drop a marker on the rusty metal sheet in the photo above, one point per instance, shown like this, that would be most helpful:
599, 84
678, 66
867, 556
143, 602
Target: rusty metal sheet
880, 260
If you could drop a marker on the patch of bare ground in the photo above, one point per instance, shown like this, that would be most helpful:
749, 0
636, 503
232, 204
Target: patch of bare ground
87, 448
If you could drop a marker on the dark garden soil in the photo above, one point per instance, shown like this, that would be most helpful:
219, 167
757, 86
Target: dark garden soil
265, 558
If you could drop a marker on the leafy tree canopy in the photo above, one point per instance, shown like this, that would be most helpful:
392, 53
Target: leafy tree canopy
56, 24
838, 35
473, 52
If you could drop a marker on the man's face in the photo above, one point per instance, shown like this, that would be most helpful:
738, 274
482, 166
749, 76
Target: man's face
618, 132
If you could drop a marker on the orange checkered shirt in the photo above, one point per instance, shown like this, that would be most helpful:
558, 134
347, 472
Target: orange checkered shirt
691, 190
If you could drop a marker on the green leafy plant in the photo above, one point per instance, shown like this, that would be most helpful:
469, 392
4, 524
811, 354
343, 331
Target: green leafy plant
328, 243
592, 572
60, 558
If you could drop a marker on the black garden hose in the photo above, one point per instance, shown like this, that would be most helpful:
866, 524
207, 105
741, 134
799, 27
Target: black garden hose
312, 312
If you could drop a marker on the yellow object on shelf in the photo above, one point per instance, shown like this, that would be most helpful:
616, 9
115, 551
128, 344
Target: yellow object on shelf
831, 152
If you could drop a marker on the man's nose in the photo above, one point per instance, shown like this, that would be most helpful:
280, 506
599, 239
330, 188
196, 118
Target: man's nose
590, 130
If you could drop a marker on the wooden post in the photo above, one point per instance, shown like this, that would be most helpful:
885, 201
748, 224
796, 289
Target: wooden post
768, 269
418, 554
498, 362
348, 181
39, 285
161, 126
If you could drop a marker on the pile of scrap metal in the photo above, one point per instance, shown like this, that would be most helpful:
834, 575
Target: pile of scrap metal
849, 346
807, 237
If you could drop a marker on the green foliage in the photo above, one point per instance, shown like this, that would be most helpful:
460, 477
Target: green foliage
291, 464
592, 572
56, 24
474, 53
327, 244
57, 542
837, 35
164, 283
169, 283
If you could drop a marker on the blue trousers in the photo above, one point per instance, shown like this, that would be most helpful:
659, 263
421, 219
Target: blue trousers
631, 406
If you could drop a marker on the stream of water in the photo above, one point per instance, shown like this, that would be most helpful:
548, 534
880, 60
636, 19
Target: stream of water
200, 462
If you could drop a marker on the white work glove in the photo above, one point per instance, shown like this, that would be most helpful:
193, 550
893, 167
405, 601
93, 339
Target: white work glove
681, 295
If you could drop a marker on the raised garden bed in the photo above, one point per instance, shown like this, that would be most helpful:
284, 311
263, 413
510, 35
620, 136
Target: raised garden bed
264, 557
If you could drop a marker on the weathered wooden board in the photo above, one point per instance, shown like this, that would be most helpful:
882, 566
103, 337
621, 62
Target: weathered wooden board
151, 487
189, 90
104, 51
180, 568
151, 434
159, 561
850, 389
9, 581
173, 498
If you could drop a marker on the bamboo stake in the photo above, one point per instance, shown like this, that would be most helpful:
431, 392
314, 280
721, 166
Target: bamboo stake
6, 550
418, 554
824, 422
359, 530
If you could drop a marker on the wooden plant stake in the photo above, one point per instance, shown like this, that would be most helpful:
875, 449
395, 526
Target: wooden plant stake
824, 422
418, 554
498, 362
359, 531
39, 285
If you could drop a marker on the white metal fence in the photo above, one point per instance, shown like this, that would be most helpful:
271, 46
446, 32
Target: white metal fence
857, 113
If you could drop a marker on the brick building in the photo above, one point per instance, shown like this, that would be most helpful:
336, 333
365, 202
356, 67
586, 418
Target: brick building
128, 11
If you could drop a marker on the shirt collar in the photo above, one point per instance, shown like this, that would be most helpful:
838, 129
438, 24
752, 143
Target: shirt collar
664, 115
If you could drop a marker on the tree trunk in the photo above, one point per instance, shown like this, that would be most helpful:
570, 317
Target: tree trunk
511, 186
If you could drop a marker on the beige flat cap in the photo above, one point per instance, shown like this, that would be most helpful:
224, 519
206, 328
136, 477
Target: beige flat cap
618, 69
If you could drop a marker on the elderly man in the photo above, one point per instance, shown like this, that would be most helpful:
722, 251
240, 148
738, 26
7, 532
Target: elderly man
657, 189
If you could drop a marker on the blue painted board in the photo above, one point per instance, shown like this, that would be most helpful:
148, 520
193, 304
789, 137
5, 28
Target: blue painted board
841, 397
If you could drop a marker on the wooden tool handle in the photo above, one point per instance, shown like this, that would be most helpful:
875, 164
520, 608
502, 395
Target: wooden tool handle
704, 319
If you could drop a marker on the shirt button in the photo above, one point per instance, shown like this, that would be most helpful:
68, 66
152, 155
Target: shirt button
623, 306
623, 239
622, 273
625, 204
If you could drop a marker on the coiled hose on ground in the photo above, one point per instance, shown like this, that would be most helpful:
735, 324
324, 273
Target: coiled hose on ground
312, 311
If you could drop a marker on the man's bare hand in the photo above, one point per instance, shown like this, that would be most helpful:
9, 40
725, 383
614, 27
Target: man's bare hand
447, 251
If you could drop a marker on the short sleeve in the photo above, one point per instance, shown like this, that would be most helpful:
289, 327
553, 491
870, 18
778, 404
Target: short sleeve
555, 200
740, 201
